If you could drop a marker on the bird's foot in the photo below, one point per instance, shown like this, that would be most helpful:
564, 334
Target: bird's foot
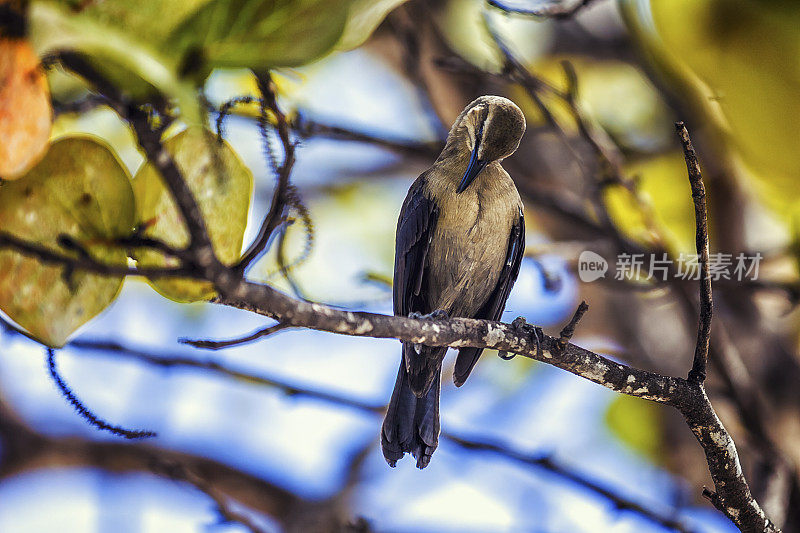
538, 335
439, 314
522, 327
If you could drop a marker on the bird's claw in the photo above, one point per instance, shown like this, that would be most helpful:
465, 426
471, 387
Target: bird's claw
439, 314
521, 326
537, 334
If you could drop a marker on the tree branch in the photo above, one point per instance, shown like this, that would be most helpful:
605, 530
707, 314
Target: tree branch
25, 449
84, 412
698, 372
87, 263
274, 216
150, 140
218, 345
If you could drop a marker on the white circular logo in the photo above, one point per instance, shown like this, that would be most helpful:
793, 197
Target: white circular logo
591, 266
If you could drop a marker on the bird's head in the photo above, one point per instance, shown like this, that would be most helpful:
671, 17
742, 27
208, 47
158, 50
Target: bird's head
490, 128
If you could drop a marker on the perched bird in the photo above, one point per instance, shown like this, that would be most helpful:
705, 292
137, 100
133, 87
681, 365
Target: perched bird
460, 241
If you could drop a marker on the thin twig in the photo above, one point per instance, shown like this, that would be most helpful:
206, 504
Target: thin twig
307, 128
275, 215
84, 411
569, 329
219, 368
698, 372
87, 263
208, 344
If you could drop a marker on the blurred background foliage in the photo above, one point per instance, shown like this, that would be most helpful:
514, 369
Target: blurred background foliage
396, 73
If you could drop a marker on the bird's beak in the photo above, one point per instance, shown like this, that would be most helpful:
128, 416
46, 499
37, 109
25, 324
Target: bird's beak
475, 165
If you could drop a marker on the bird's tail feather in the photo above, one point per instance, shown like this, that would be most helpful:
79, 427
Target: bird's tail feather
465, 362
411, 424
423, 364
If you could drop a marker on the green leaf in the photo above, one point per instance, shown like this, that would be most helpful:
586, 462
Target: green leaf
364, 18
132, 63
261, 34
222, 186
79, 189
636, 423
152, 21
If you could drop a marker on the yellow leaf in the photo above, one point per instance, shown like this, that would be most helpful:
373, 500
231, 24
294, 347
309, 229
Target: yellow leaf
222, 186
79, 189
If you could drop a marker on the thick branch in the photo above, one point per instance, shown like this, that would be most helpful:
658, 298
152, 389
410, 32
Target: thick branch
456, 333
24, 449
688, 397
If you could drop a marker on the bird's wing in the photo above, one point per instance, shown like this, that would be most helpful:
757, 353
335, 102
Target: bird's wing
493, 308
414, 231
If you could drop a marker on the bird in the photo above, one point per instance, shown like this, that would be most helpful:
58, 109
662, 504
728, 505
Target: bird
459, 245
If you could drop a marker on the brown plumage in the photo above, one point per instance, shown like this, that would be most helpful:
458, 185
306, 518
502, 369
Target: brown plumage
460, 241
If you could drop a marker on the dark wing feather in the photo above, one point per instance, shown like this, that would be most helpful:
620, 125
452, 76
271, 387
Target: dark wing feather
493, 308
414, 230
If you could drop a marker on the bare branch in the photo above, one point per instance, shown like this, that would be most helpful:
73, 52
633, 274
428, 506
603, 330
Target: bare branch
24, 449
456, 333
84, 412
150, 140
698, 372
307, 128
87, 263
569, 329
549, 464
211, 366
218, 345
276, 210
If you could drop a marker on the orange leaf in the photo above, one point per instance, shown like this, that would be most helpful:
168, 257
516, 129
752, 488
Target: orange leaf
25, 112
